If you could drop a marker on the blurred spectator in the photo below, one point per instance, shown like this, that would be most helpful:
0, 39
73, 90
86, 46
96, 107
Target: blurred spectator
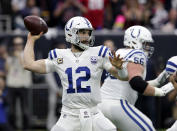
4, 125
147, 9
133, 13
18, 81
5, 7
44, 6
170, 26
18, 5
116, 6
55, 94
27, 7
174, 4
63, 10
30, 9
110, 44
3, 57
160, 15
95, 10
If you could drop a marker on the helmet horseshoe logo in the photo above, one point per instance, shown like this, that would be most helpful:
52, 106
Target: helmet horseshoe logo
69, 26
137, 34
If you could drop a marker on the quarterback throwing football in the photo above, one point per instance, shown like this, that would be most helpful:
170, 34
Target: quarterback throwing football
80, 70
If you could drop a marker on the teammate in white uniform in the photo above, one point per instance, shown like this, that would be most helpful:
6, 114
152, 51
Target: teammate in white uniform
119, 97
171, 71
80, 70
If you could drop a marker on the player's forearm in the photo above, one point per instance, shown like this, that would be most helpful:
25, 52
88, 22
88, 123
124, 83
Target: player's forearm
28, 57
29, 62
162, 91
121, 75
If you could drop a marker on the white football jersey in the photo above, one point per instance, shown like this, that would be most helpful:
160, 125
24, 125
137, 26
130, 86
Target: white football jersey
80, 76
113, 88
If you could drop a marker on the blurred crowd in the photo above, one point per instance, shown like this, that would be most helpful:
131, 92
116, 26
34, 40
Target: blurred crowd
103, 14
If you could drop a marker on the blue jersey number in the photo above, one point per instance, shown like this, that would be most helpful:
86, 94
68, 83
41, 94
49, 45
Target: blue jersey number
78, 81
139, 60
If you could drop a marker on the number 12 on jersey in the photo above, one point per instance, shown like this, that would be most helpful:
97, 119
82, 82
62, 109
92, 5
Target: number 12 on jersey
78, 89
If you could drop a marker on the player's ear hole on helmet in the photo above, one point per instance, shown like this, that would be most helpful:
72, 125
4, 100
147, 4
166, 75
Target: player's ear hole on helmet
133, 42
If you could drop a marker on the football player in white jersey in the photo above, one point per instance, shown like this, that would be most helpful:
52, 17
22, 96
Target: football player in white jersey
80, 69
171, 72
118, 96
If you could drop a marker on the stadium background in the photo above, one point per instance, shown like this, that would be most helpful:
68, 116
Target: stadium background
160, 110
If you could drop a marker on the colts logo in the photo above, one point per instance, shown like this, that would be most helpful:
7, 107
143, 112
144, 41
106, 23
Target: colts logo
60, 60
93, 59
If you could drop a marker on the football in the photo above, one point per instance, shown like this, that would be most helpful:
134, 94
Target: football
35, 25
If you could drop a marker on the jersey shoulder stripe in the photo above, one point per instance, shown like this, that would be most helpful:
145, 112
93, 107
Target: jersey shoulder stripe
55, 54
103, 50
133, 52
52, 54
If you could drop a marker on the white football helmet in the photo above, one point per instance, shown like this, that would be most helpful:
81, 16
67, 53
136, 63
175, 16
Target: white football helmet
138, 37
71, 31
171, 65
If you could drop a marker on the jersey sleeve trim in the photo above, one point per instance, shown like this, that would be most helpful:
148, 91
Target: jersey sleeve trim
55, 54
103, 50
50, 55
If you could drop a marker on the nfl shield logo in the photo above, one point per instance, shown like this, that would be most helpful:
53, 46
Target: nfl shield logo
93, 59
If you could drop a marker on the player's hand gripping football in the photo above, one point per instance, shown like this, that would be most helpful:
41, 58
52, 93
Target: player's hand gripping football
34, 37
116, 61
173, 80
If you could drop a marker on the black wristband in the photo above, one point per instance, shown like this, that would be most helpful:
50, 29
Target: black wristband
138, 84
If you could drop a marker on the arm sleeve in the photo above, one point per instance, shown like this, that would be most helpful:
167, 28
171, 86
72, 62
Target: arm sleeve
49, 62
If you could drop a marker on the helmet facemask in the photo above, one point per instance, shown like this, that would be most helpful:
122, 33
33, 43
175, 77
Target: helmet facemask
149, 50
84, 42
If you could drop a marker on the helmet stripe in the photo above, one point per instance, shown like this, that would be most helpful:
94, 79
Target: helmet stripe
169, 70
172, 64
71, 24
87, 22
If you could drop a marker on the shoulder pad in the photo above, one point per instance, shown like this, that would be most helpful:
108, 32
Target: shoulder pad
136, 56
52, 54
